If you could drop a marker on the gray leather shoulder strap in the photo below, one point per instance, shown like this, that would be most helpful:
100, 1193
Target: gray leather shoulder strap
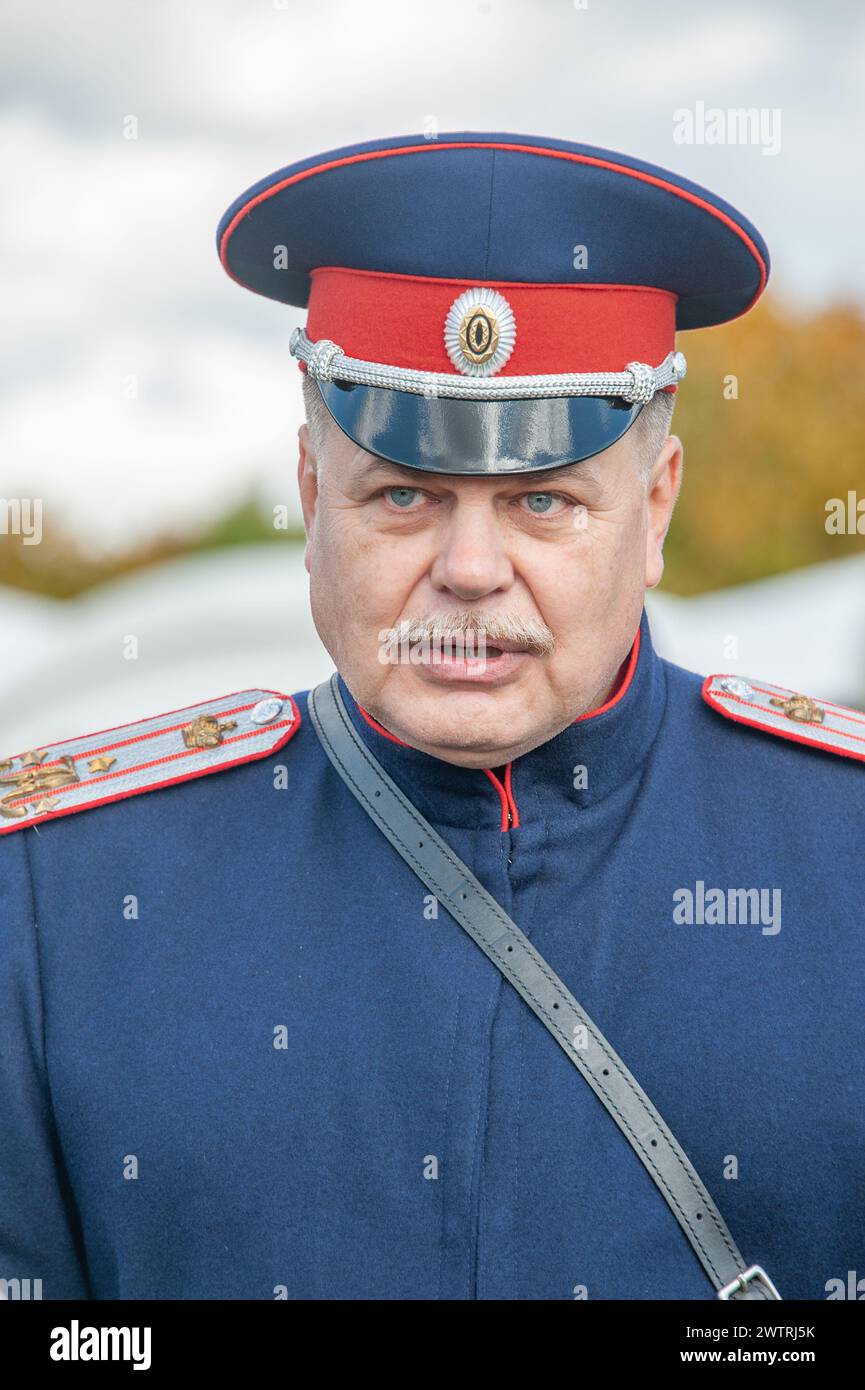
469, 903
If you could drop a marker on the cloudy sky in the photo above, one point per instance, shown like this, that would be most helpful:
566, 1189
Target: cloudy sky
141, 388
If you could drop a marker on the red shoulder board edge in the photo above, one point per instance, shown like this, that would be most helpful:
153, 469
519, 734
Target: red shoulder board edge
62, 778
817, 723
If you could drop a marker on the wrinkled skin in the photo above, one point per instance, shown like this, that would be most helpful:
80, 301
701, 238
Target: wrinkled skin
387, 543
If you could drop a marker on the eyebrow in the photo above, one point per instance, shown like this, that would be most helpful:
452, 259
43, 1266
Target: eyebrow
375, 464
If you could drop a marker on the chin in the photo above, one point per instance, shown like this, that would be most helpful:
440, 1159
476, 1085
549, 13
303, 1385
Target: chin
465, 719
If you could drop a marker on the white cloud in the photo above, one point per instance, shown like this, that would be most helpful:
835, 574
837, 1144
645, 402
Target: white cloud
107, 248
213, 415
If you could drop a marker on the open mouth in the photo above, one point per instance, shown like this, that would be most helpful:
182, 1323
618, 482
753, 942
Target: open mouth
455, 651
486, 666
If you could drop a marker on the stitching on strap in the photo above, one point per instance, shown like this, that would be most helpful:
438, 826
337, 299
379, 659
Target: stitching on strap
490, 903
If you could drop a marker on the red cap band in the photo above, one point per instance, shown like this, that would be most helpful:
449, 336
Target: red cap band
399, 320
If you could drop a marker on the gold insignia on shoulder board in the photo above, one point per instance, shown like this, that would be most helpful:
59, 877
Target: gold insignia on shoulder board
100, 764
206, 731
801, 708
33, 758
31, 777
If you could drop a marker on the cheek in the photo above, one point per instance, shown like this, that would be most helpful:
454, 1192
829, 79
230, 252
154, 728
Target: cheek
594, 578
601, 550
361, 579
620, 541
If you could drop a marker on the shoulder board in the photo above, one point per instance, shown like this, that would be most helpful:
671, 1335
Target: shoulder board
45, 783
818, 723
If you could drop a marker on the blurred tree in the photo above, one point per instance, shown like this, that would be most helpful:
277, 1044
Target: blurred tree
760, 466
62, 566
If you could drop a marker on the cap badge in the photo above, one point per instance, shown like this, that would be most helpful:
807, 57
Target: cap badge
480, 332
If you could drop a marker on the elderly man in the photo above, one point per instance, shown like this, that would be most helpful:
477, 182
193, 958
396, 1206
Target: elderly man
513, 962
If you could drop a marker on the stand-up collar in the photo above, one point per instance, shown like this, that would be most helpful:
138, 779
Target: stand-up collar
594, 755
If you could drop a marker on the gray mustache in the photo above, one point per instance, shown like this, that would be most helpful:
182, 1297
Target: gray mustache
529, 634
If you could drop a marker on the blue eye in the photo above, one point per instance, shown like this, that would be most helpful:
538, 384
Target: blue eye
540, 502
402, 496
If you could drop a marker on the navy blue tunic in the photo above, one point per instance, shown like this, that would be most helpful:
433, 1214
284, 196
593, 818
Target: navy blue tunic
290, 1075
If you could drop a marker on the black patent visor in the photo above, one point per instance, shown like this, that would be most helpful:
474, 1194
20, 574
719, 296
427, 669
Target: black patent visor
441, 434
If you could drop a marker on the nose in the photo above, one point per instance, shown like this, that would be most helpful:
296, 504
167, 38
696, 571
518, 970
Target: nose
473, 560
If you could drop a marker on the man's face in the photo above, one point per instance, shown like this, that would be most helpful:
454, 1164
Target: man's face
564, 556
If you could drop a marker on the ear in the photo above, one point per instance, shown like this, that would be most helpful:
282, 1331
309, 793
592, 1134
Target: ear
307, 482
662, 490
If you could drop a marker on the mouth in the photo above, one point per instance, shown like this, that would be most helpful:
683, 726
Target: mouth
497, 665
496, 649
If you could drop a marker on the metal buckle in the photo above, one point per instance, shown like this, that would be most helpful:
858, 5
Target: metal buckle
755, 1273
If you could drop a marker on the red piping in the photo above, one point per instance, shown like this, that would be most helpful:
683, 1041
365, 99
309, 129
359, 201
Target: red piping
143, 738
841, 711
510, 814
728, 713
496, 145
626, 681
24, 797
380, 729
115, 728
157, 786
494, 284
502, 795
515, 815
